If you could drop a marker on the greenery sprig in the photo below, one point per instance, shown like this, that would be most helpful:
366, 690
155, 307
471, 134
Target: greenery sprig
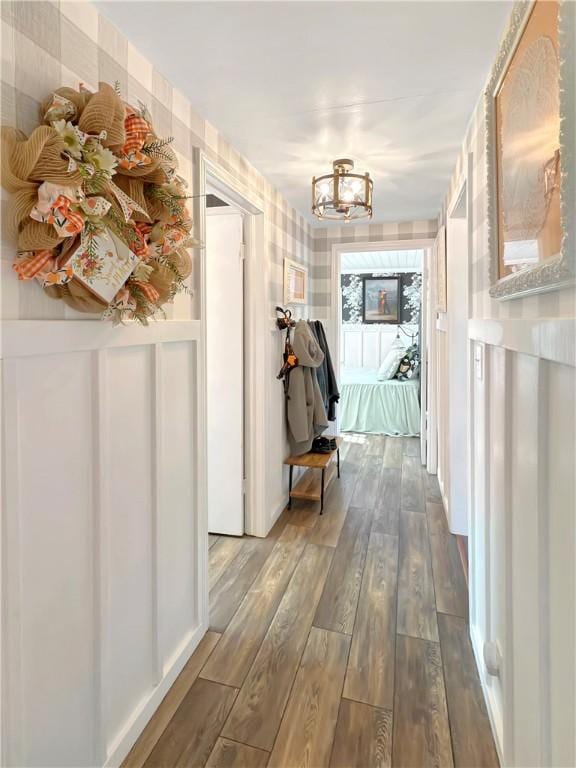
156, 148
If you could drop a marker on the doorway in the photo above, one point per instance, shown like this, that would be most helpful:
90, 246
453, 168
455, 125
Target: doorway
225, 413
217, 189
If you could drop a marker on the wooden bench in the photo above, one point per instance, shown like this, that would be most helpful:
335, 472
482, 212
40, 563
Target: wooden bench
312, 485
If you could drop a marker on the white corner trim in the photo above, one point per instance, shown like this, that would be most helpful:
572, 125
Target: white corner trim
553, 340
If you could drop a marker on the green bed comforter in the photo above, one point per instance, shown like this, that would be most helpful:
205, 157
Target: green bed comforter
378, 407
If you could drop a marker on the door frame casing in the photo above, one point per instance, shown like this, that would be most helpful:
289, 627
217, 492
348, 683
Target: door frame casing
210, 173
463, 191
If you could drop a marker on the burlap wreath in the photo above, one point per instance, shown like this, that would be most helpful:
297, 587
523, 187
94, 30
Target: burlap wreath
96, 169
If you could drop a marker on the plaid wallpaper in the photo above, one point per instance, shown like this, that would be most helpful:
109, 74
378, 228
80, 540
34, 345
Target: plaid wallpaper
554, 304
49, 44
326, 237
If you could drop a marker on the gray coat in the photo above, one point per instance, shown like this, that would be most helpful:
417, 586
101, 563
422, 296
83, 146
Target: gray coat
305, 412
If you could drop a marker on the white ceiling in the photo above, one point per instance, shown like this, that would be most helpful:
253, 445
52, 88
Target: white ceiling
294, 85
373, 261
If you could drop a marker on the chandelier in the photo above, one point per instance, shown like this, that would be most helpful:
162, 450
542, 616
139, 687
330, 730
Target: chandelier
342, 195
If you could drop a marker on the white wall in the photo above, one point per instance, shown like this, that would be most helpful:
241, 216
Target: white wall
104, 547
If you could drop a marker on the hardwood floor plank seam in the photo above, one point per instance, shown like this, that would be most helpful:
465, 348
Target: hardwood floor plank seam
233, 754
372, 706
223, 602
370, 671
421, 723
344, 677
338, 604
308, 728
450, 588
416, 595
257, 713
289, 696
243, 637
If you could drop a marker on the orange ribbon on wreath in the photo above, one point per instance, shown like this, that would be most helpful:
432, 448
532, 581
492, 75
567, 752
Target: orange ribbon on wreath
148, 290
54, 207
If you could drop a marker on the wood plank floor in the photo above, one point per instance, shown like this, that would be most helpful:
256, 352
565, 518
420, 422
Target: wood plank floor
340, 641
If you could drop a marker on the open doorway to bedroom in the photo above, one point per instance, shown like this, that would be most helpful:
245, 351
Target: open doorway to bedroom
377, 305
380, 341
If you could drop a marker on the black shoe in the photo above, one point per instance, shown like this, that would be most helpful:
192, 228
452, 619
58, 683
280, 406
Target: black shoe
323, 445
330, 441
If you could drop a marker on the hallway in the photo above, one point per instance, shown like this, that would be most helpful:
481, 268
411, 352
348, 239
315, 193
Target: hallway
338, 640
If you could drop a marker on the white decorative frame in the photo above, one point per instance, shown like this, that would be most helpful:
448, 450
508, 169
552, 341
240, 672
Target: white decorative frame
560, 271
294, 266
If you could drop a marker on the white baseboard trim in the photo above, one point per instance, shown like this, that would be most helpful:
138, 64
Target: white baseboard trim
138, 720
494, 712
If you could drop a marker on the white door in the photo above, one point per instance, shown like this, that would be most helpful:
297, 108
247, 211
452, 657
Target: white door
225, 372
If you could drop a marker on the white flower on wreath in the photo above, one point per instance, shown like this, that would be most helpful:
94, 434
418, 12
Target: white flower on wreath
101, 158
72, 136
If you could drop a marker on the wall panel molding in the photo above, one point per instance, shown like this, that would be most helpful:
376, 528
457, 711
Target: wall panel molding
101, 531
24, 338
553, 339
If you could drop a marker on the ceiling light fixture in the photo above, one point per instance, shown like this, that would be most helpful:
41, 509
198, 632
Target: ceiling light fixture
342, 195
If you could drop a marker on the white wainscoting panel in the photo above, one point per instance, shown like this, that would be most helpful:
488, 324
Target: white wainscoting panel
177, 533
522, 539
128, 455
49, 657
366, 346
104, 567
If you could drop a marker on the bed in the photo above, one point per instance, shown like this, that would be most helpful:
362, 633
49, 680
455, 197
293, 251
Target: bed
378, 407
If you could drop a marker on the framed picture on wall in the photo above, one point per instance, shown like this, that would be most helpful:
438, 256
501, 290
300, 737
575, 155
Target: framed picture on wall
381, 300
295, 282
531, 203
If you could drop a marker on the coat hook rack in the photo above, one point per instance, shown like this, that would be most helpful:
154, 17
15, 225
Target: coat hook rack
285, 321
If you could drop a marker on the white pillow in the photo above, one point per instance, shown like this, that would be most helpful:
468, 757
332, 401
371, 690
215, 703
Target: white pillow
390, 364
